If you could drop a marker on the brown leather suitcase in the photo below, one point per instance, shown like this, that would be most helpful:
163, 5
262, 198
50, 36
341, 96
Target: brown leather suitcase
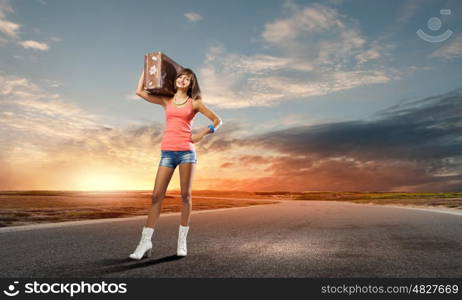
160, 72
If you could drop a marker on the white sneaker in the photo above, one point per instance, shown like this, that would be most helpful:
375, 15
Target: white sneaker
144, 247
182, 234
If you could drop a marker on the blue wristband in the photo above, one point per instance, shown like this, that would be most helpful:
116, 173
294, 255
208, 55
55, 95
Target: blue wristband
212, 129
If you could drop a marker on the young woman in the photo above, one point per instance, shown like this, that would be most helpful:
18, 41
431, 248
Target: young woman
177, 148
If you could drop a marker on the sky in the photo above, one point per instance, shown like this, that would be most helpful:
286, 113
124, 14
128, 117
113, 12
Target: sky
335, 95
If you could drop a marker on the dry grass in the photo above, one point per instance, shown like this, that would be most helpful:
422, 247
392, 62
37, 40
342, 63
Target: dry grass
31, 207
445, 200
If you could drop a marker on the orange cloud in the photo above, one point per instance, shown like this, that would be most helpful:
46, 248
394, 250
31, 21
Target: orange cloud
50, 143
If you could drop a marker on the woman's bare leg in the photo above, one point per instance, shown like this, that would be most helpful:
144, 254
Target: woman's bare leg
186, 177
164, 174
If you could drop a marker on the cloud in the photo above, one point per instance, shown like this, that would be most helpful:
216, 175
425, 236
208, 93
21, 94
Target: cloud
12, 86
237, 81
321, 52
450, 49
316, 33
48, 141
56, 39
312, 19
29, 108
5, 8
412, 146
420, 130
407, 10
253, 159
374, 51
193, 17
55, 84
335, 2
65, 153
9, 28
34, 45
3, 41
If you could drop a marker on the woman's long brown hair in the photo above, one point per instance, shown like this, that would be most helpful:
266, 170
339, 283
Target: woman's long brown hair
194, 90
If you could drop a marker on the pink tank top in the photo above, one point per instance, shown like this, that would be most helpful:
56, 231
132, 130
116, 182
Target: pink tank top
177, 132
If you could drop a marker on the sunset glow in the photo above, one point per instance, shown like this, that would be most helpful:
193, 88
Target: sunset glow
313, 95
98, 181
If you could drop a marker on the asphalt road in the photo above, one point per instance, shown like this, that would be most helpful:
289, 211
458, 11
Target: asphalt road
288, 239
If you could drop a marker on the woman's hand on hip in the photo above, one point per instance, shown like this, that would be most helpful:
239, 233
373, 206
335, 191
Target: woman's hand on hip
197, 137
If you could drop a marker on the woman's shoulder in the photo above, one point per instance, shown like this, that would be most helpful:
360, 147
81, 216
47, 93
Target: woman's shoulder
197, 101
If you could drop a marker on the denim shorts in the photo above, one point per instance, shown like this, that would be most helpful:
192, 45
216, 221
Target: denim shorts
173, 158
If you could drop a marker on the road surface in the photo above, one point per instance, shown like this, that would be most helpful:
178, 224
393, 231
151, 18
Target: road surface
288, 239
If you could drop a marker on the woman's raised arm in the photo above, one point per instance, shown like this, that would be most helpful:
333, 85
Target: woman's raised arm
146, 96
